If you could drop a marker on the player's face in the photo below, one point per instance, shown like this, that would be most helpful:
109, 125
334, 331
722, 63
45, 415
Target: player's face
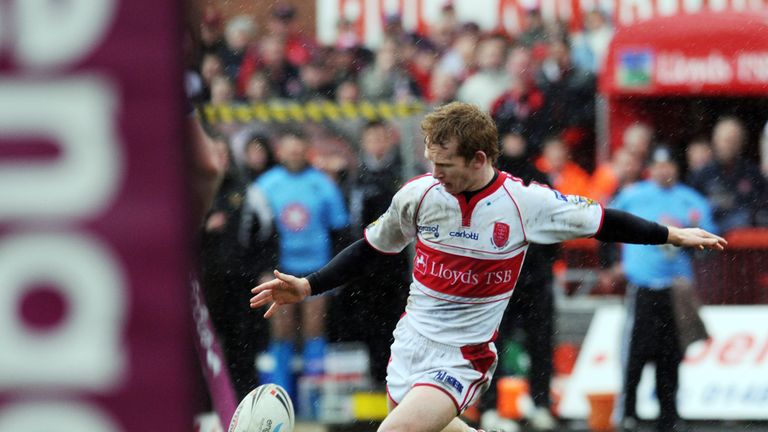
454, 172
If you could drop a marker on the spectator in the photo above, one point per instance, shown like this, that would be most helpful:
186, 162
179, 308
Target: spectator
316, 81
490, 81
298, 49
236, 254
347, 92
211, 31
698, 154
521, 105
441, 33
222, 90
385, 79
588, 47
422, 66
443, 88
310, 216
239, 35
209, 69
258, 88
346, 35
637, 140
734, 187
257, 157
270, 58
569, 97
564, 175
349, 129
535, 32
531, 307
393, 27
459, 60
621, 170
348, 62
380, 297
651, 332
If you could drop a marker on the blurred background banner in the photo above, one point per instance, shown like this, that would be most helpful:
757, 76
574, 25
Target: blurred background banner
368, 17
94, 304
722, 378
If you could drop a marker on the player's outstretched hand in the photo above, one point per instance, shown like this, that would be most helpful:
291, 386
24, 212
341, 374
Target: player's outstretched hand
695, 238
284, 289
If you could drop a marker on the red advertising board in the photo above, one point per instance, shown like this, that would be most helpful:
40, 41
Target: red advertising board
95, 328
703, 54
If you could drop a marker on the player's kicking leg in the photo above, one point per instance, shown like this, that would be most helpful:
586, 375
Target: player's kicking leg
424, 409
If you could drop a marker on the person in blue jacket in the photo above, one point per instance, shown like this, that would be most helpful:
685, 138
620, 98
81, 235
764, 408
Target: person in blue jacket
310, 216
651, 271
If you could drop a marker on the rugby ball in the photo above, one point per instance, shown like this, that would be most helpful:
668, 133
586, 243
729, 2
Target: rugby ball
267, 408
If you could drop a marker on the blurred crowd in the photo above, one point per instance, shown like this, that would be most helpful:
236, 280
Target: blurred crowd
276, 209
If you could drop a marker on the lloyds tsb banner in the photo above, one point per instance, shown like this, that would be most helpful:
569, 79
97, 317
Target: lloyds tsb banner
94, 326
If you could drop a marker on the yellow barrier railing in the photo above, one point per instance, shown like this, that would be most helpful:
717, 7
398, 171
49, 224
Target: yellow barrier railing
280, 112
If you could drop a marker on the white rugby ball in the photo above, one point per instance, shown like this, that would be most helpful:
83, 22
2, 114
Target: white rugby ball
267, 408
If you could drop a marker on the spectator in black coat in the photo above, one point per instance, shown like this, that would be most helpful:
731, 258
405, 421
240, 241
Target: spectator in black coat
735, 187
532, 305
379, 298
235, 252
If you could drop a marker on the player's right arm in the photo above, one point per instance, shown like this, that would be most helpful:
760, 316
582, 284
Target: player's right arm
283, 289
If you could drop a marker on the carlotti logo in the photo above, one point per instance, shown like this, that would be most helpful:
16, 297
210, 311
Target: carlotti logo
634, 68
465, 235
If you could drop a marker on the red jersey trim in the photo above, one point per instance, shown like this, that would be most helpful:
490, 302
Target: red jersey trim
389, 395
467, 207
519, 214
421, 200
472, 391
415, 178
602, 218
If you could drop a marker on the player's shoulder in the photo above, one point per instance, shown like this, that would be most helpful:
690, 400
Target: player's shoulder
517, 185
420, 183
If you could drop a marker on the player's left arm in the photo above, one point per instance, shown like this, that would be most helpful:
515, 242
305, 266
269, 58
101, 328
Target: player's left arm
620, 226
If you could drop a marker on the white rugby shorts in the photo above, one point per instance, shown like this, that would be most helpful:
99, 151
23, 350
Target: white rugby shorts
463, 373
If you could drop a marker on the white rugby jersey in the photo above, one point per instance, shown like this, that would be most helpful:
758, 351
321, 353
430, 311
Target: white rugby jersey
469, 254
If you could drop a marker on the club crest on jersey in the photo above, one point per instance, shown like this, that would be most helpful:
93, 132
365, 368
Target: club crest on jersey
500, 234
420, 262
